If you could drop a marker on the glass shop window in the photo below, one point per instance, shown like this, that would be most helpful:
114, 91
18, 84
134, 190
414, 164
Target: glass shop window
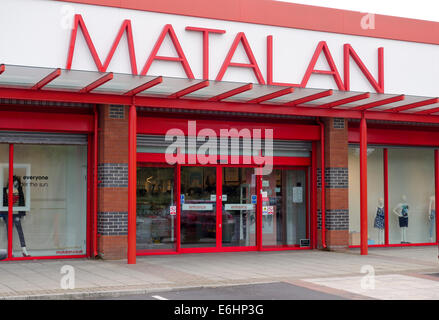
284, 208
411, 191
156, 208
4, 160
411, 195
49, 200
375, 195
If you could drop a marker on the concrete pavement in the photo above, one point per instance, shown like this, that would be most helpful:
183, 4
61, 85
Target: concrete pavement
399, 269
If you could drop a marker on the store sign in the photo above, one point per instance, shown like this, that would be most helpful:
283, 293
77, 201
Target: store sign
240, 39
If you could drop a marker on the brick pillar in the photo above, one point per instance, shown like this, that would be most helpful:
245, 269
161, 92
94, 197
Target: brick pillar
113, 182
336, 182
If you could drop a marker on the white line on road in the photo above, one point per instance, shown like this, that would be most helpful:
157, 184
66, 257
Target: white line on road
159, 298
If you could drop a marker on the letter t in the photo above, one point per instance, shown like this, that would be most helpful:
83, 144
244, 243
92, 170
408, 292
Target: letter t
205, 32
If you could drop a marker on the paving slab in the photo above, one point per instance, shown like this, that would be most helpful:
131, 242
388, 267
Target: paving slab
327, 270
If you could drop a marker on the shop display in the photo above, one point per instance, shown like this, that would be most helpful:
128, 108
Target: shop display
432, 217
17, 200
410, 182
402, 212
50, 204
380, 220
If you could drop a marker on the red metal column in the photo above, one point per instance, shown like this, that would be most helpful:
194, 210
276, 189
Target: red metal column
90, 200
10, 194
95, 184
313, 196
178, 203
322, 178
436, 200
306, 188
386, 196
132, 185
363, 184
259, 209
219, 209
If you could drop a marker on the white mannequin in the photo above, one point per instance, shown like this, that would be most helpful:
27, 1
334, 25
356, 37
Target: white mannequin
432, 216
380, 207
398, 211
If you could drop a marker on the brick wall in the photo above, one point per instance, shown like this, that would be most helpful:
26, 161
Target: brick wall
113, 175
113, 182
113, 223
336, 186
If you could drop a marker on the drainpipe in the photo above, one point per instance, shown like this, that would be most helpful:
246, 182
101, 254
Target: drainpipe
131, 254
95, 183
322, 173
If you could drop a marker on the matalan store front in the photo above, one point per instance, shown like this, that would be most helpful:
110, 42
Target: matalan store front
142, 128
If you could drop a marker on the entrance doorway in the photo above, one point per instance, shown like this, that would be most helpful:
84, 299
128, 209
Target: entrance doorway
221, 208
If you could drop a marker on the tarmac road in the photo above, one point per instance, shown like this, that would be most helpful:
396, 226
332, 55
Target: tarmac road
268, 291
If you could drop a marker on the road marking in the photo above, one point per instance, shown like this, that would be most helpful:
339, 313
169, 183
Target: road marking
159, 298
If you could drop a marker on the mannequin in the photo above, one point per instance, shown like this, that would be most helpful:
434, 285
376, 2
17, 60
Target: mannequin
432, 216
379, 221
402, 211
17, 200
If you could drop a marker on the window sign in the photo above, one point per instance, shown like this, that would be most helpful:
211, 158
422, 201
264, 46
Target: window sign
198, 206
297, 194
265, 210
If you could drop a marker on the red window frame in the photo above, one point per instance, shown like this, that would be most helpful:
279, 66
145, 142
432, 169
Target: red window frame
59, 123
300, 130
142, 157
309, 232
400, 136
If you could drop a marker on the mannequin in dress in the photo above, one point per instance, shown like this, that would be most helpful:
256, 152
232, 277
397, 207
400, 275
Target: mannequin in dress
18, 200
379, 221
402, 211
432, 216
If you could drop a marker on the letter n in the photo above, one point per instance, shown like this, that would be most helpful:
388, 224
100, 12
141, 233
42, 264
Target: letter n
126, 26
350, 52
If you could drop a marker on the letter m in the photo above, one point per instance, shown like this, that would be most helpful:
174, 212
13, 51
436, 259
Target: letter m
79, 23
